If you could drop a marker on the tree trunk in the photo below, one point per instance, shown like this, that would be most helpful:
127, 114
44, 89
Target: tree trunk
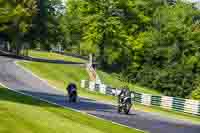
102, 53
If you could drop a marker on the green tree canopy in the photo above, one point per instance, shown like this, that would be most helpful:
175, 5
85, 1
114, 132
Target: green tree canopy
16, 19
154, 43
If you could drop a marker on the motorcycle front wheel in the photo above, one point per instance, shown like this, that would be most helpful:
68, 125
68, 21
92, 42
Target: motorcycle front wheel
127, 108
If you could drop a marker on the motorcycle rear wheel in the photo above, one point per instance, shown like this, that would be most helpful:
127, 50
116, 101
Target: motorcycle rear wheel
73, 98
119, 109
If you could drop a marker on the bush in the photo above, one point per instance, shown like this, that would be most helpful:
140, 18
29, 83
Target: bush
196, 94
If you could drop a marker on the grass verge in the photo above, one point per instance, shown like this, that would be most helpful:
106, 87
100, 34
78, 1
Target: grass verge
61, 75
111, 79
22, 114
54, 56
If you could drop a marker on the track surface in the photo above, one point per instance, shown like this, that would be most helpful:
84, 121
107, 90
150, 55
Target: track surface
18, 79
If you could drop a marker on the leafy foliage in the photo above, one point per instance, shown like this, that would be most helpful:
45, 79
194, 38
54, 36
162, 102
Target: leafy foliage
154, 43
16, 19
46, 30
31, 21
196, 94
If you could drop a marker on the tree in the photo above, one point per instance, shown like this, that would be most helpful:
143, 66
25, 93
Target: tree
71, 24
154, 43
16, 20
46, 30
170, 59
107, 28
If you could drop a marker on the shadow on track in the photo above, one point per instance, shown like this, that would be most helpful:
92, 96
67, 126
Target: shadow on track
84, 104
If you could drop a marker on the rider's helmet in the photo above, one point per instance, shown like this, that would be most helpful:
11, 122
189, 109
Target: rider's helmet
71, 87
123, 91
126, 90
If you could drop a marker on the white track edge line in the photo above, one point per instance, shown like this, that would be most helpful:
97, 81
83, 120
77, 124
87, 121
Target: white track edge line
61, 105
53, 103
30, 72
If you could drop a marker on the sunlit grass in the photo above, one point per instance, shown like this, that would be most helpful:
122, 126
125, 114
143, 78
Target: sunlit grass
54, 56
22, 114
61, 75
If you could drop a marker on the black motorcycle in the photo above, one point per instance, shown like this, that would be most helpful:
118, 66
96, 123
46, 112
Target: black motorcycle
73, 96
72, 93
124, 104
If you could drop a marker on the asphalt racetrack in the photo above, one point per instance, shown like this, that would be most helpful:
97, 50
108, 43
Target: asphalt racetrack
18, 79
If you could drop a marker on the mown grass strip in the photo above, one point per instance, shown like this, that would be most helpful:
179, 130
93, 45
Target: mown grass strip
24, 114
54, 56
61, 75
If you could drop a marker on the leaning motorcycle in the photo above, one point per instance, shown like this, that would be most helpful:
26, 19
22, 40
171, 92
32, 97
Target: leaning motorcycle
124, 104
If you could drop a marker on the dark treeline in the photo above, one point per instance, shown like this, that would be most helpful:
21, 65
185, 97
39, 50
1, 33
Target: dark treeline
155, 43
31, 23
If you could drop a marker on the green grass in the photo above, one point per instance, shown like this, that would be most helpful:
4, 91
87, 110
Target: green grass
22, 114
106, 78
54, 56
57, 74
61, 75
111, 79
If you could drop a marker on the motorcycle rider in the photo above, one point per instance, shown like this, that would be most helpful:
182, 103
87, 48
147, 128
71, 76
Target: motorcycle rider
124, 100
70, 89
125, 92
